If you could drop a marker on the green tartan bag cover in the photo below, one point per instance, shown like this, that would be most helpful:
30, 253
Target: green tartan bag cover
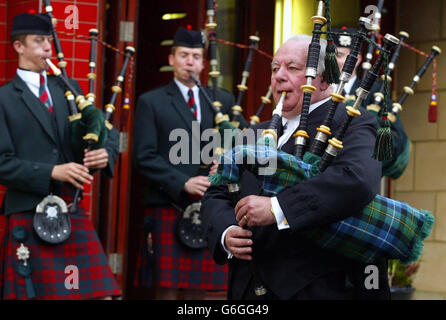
396, 166
384, 228
90, 127
229, 133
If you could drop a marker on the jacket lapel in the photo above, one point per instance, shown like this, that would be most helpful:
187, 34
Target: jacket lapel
315, 119
180, 105
207, 115
35, 106
59, 103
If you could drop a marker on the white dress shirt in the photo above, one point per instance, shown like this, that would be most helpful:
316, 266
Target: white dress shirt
32, 80
184, 91
290, 126
348, 86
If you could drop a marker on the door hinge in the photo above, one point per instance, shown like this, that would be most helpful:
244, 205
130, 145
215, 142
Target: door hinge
126, 31
123, 142
115, 262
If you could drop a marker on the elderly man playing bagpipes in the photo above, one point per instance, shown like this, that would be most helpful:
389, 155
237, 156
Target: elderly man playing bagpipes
291, 266
44, 235
316, 219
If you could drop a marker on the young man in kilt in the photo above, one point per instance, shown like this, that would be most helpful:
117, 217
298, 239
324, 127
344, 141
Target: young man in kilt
172, 187
289, 266
36, 160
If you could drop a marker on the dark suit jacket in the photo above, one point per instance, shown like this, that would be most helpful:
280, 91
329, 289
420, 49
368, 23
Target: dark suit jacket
33, 143
160, 113
288, 262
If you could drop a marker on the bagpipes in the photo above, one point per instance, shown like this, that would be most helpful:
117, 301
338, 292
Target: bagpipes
213, 62
237, 109
301, 135
401, 151
385, 228
89, 125
379, 97
236, 117
395, 166
324, 131
116, 89
229, 128
408, 90
366, 65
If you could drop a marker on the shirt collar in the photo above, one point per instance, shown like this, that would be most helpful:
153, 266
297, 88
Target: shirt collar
297, 118
349, 85
31, 77
185, 89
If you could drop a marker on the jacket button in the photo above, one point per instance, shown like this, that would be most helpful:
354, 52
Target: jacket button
35, 167
55, 151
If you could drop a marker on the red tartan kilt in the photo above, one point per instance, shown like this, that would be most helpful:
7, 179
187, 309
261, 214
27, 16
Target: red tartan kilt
174, 265
49, 262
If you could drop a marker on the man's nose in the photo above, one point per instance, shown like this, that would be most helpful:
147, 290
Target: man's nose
281, 75
47, 44
189, 60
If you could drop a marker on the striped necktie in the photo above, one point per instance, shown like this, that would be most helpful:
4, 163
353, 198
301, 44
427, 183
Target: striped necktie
43, 95
191, 103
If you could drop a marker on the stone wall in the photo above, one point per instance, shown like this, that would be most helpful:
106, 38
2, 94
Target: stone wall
424, 182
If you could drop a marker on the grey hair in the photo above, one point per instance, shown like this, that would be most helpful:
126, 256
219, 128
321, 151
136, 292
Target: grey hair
307, 39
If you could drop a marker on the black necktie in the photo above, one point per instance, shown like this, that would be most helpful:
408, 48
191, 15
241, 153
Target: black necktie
281, 129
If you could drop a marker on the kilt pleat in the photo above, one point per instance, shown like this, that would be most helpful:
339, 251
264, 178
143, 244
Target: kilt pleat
174, 265
49, 263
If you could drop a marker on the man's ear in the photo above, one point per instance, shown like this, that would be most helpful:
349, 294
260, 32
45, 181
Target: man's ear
359, 61
18, 46
203, 65
324, 84
170, 59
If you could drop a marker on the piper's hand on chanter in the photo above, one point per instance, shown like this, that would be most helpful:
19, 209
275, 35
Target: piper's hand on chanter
197, 186
96, 159
238, 242
214, 167
254, 211
73, 173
